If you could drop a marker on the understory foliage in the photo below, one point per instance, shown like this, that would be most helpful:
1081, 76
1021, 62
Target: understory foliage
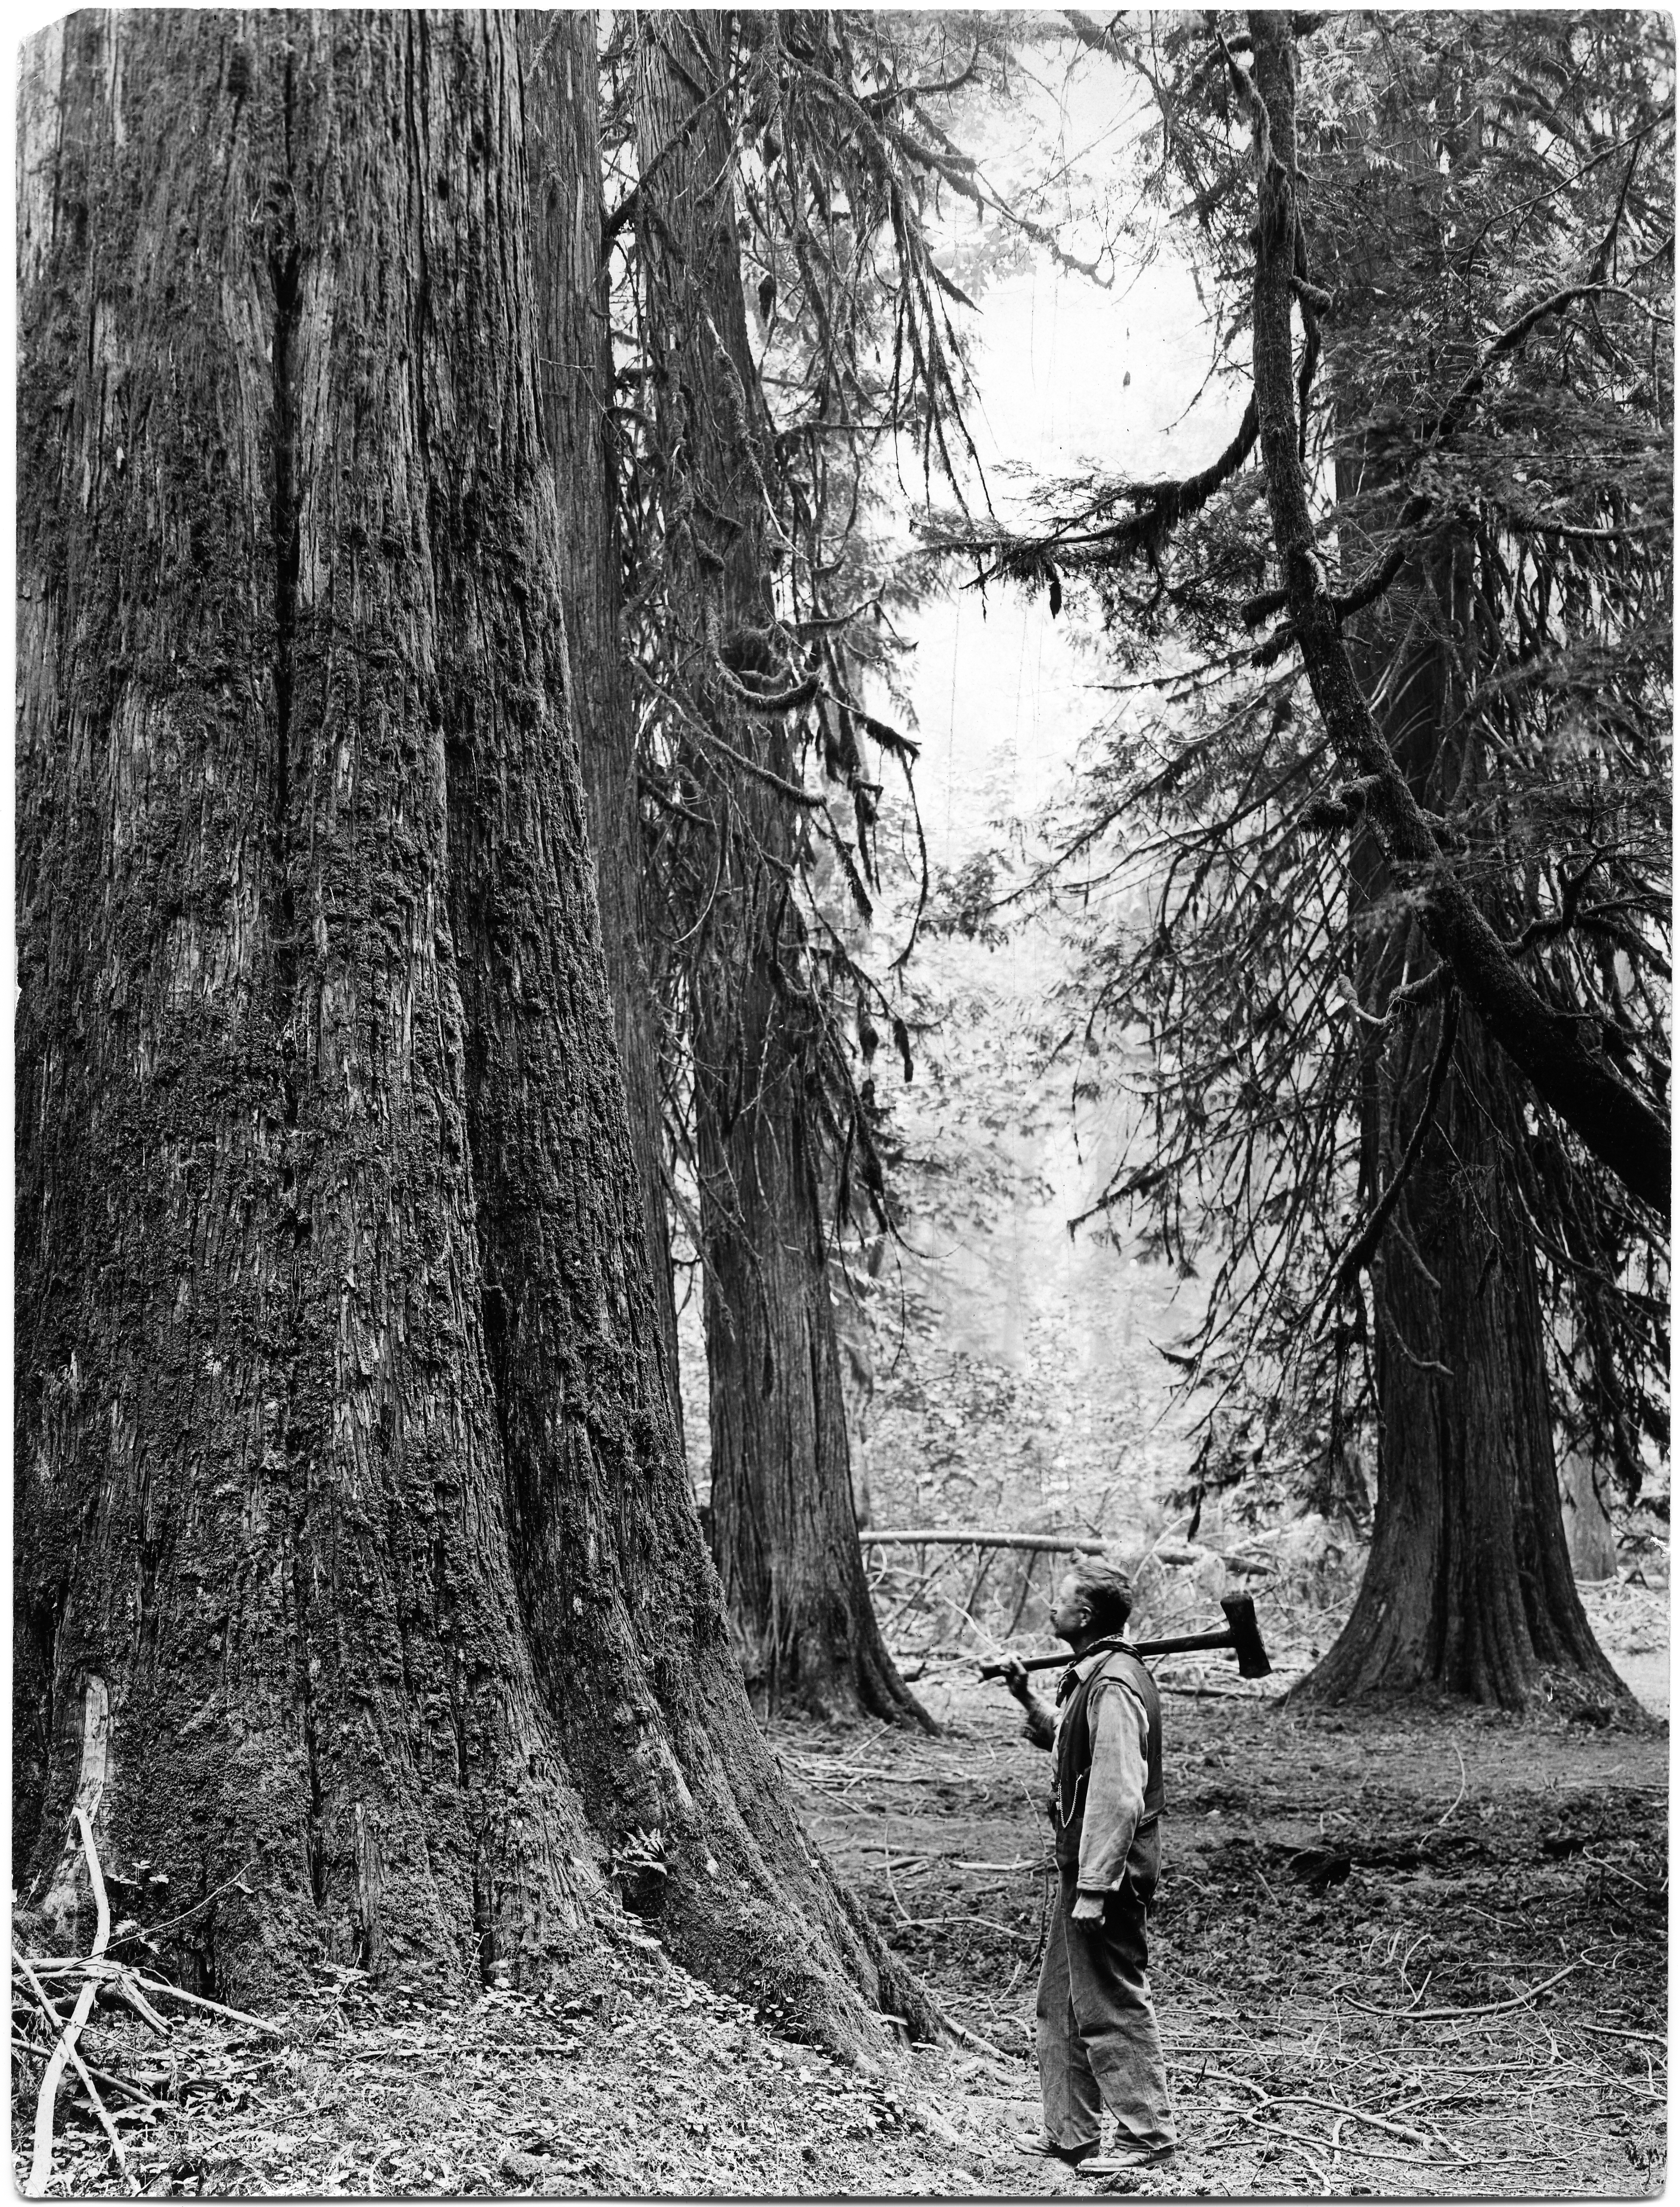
1485, 384
844, 176
834, 149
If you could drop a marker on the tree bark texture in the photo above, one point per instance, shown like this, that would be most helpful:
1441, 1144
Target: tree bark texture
784, 1528
575, 395
354, 1552
1618, 1125
261, 1517
1468, 1587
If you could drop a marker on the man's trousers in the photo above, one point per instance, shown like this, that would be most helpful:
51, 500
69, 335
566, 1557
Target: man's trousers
1098, 2041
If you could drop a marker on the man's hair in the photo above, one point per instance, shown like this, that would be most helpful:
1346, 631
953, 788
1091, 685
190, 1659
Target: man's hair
1106, 1592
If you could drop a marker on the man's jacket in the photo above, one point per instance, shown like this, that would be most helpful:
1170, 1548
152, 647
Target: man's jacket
1109, 1792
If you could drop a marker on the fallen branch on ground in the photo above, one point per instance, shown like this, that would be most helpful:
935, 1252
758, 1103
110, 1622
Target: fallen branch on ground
28, 2050
41, 2166
1610, 2031
1409, 2132
1053, 1544
88, 1976
128, 1981
973, 2038
1452, 2014
49, 2055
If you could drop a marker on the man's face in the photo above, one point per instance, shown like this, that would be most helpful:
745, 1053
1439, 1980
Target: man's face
1070, 1616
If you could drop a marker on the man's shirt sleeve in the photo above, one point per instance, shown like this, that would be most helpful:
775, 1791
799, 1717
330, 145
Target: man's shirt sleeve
1115, 1790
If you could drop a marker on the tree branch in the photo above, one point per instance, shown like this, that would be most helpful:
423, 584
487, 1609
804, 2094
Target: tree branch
1160, 506
1621, 1130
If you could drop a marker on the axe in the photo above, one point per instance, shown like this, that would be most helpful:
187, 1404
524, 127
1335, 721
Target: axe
1241, 1634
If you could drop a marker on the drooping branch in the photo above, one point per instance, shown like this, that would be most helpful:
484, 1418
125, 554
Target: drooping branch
1384, 570
1620, 1127
1158, 507
1451, 415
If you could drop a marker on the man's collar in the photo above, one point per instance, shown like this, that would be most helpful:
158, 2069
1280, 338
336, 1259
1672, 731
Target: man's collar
1080, 1666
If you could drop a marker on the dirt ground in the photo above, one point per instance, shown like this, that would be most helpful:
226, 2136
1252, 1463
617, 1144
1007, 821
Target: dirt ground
1477, 2006
1507, 1884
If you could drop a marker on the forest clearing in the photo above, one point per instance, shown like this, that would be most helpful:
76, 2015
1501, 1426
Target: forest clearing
842, 872
1514, 1873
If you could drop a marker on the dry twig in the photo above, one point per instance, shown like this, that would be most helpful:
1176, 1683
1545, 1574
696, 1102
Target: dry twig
127, 1983
1610, 2031
41, 2166
1463, 1780
1452, 2014
49, 2055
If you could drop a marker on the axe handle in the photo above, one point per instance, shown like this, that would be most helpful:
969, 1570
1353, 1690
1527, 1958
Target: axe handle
1027, 1662
1185, 1643
1180, 1646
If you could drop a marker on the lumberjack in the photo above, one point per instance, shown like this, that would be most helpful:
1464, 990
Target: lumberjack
1098, 2041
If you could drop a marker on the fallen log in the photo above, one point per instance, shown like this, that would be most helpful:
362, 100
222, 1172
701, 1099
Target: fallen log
1054, 1544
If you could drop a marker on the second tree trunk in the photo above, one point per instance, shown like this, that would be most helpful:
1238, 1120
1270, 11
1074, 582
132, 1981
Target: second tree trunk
783, 1526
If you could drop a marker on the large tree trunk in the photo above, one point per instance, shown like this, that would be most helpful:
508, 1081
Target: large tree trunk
353, 1556
784, 1529
575, 396
1468, 1587
262, 1567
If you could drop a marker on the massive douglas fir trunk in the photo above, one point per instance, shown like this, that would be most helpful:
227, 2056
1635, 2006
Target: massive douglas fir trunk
1468, 1589
784, 1529
354, 1562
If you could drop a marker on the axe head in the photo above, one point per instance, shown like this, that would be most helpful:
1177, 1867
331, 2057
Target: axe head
1251, 1661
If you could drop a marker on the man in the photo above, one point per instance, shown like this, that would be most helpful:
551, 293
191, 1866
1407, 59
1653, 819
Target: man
1098, 2041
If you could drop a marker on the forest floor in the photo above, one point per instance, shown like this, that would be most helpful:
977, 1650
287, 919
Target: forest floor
1478, 2008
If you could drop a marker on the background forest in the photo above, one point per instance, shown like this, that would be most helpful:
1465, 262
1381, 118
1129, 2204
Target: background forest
998, 1372
789, 780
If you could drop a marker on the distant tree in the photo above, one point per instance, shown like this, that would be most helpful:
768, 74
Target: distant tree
1494, 480
357, 1583
774, 153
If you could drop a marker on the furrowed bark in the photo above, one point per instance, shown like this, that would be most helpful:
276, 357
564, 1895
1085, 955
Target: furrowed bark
1468, 1589
574, 363
623, 1602
1616, 1125
355, 1560
262, 1544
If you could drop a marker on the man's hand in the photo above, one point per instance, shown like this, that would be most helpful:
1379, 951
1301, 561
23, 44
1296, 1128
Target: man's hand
1088, 1908
1040, 1726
